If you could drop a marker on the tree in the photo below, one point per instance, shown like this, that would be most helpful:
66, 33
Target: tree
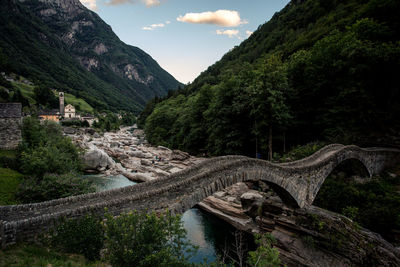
140, 239
45, 96
268, 99
265, 255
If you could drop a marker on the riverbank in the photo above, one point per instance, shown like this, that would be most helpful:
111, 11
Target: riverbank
127, 152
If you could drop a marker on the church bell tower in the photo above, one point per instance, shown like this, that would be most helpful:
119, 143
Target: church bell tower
61, 96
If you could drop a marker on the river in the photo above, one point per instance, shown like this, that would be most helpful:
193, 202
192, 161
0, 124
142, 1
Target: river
211, 235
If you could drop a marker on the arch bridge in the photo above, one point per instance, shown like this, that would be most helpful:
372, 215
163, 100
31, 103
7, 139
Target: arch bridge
298, 183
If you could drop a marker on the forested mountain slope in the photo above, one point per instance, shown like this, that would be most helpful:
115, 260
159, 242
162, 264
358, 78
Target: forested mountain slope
63, 45
318, 70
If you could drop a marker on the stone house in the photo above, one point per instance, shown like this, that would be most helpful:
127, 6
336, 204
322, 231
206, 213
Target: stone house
50, 115
10, 125
69, 112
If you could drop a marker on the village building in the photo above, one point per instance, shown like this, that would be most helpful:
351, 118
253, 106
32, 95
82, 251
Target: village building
10, 125
69, 112
50, 115
89, 118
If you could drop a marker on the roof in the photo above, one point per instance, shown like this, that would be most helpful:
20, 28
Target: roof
53, 112
10, 110
69, 106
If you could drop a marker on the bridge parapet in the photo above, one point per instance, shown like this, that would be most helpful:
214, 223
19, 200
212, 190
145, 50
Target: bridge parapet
298, 181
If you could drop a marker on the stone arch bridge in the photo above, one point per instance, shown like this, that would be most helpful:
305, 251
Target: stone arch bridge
298, 182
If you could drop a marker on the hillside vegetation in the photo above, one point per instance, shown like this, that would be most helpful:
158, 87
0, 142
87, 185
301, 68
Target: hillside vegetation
318, 70
69, 48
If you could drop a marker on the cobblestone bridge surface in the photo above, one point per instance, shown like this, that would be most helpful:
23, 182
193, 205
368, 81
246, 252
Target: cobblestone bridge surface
298, 183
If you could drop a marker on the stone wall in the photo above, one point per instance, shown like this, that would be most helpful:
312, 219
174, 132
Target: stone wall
10, 132
300, 181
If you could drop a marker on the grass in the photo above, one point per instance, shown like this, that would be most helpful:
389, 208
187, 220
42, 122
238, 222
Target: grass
8, 153
27, 92
37, 256
9, 182
83, 105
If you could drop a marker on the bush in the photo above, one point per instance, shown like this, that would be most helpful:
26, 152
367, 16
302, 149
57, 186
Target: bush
139, 239
8, 159
81, 236
9, 182
303, 151
45, 150
265, 255
53, 186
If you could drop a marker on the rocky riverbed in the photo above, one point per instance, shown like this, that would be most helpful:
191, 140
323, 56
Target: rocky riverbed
304, 237
127, 152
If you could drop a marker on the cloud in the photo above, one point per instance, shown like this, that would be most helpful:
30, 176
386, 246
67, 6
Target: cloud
91, 4
249, 33
167, 22
150, 3
120, 2
230, 33
153, 26
224, 18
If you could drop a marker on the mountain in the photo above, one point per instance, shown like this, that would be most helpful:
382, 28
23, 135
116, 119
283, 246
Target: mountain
62, 44
318, 70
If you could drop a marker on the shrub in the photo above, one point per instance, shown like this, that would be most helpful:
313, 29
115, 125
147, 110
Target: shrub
140, 239
8, 159
81, 236
303, 151
45, 150
52, 186
265, 255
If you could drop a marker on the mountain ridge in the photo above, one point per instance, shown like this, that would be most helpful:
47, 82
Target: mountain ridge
83, 54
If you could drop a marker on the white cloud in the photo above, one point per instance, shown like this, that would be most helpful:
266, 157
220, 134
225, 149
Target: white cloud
150, 3
91, 4
120, 2
153, 26
167, 22
249, 33
230, 33
225, 18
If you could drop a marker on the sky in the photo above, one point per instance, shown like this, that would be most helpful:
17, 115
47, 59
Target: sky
185, 36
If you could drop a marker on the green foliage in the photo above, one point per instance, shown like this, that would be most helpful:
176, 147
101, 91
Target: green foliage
18, 97
77, 123
265, 255
109, 122
8, 159
38, 53
53, 186
9, 183
45, 150
45, 96
80, 236
38, 256
374, 205
317, 70
140, 239
302, 151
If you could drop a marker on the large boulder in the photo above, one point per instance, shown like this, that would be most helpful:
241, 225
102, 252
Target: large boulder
179, 155
96, 159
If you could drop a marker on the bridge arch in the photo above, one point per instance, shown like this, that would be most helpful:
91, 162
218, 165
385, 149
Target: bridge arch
178, 192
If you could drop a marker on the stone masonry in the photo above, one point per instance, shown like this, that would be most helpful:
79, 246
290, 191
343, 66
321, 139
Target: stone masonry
297, 183
10, 125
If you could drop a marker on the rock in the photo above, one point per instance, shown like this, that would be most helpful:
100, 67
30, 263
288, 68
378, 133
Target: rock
136, 154
69, 130
174, 170
90, 131
114, 144
145, 162
179, 155
164, 148
219, 194
248, 198
393, 175
96, 159
138, 177
96, 135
